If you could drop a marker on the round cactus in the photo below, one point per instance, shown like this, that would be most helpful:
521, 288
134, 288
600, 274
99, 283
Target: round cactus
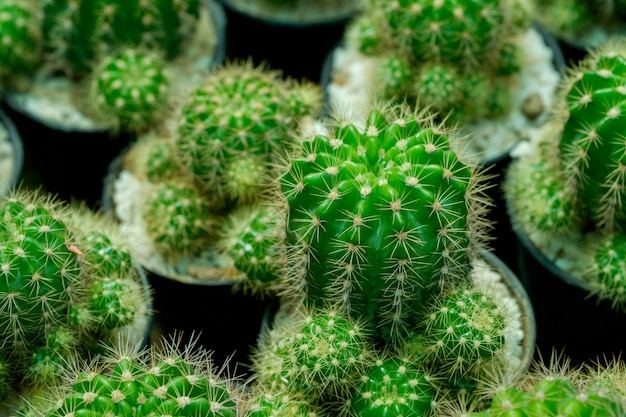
265, 404
449, 30
464, 331
608, 272
316, 352
439, 85
249, 236
240, 111
129, 383
394, 75
177, 218
378, 219
130, 88
393, 387
20, 31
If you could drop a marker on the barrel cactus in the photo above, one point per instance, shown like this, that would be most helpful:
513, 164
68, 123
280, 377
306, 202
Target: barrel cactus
571, 182
76, 33
379, 218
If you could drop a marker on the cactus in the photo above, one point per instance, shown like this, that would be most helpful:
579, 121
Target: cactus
572, 180
71, 281
393, 387
557, 389
241, 111
20, 31
76, 33
130, 87
178, 218
249, 236
315, 353
378, 219
128, 381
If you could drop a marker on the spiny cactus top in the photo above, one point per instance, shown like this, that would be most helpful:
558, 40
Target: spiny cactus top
241, 112
127, 382
378, 219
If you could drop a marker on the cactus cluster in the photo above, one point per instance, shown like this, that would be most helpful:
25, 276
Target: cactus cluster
68, 283
205, 173
425, 50
571, 182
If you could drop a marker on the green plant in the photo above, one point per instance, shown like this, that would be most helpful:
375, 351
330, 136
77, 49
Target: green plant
131, 87
241, 112
571, 183
20, 29
378, 219
68, 283
126, 381
442, 42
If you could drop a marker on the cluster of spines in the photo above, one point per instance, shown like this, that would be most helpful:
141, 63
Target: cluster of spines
378, 219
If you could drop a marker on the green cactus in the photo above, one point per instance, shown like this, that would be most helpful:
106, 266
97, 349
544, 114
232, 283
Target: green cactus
393, 387
267, 404
241, 111
127, 382
439, 85
76, 33
178, 218
379, 218
572, 181
20, 31
130, 88
464, 332
316, 352
54, 256
249, 236
394, 75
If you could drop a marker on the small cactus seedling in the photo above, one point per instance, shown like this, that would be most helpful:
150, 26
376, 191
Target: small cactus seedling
131, 88
379, 219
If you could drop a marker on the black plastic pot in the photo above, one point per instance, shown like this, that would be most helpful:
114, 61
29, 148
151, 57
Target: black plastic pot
70, 161
297, 48
568, 318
